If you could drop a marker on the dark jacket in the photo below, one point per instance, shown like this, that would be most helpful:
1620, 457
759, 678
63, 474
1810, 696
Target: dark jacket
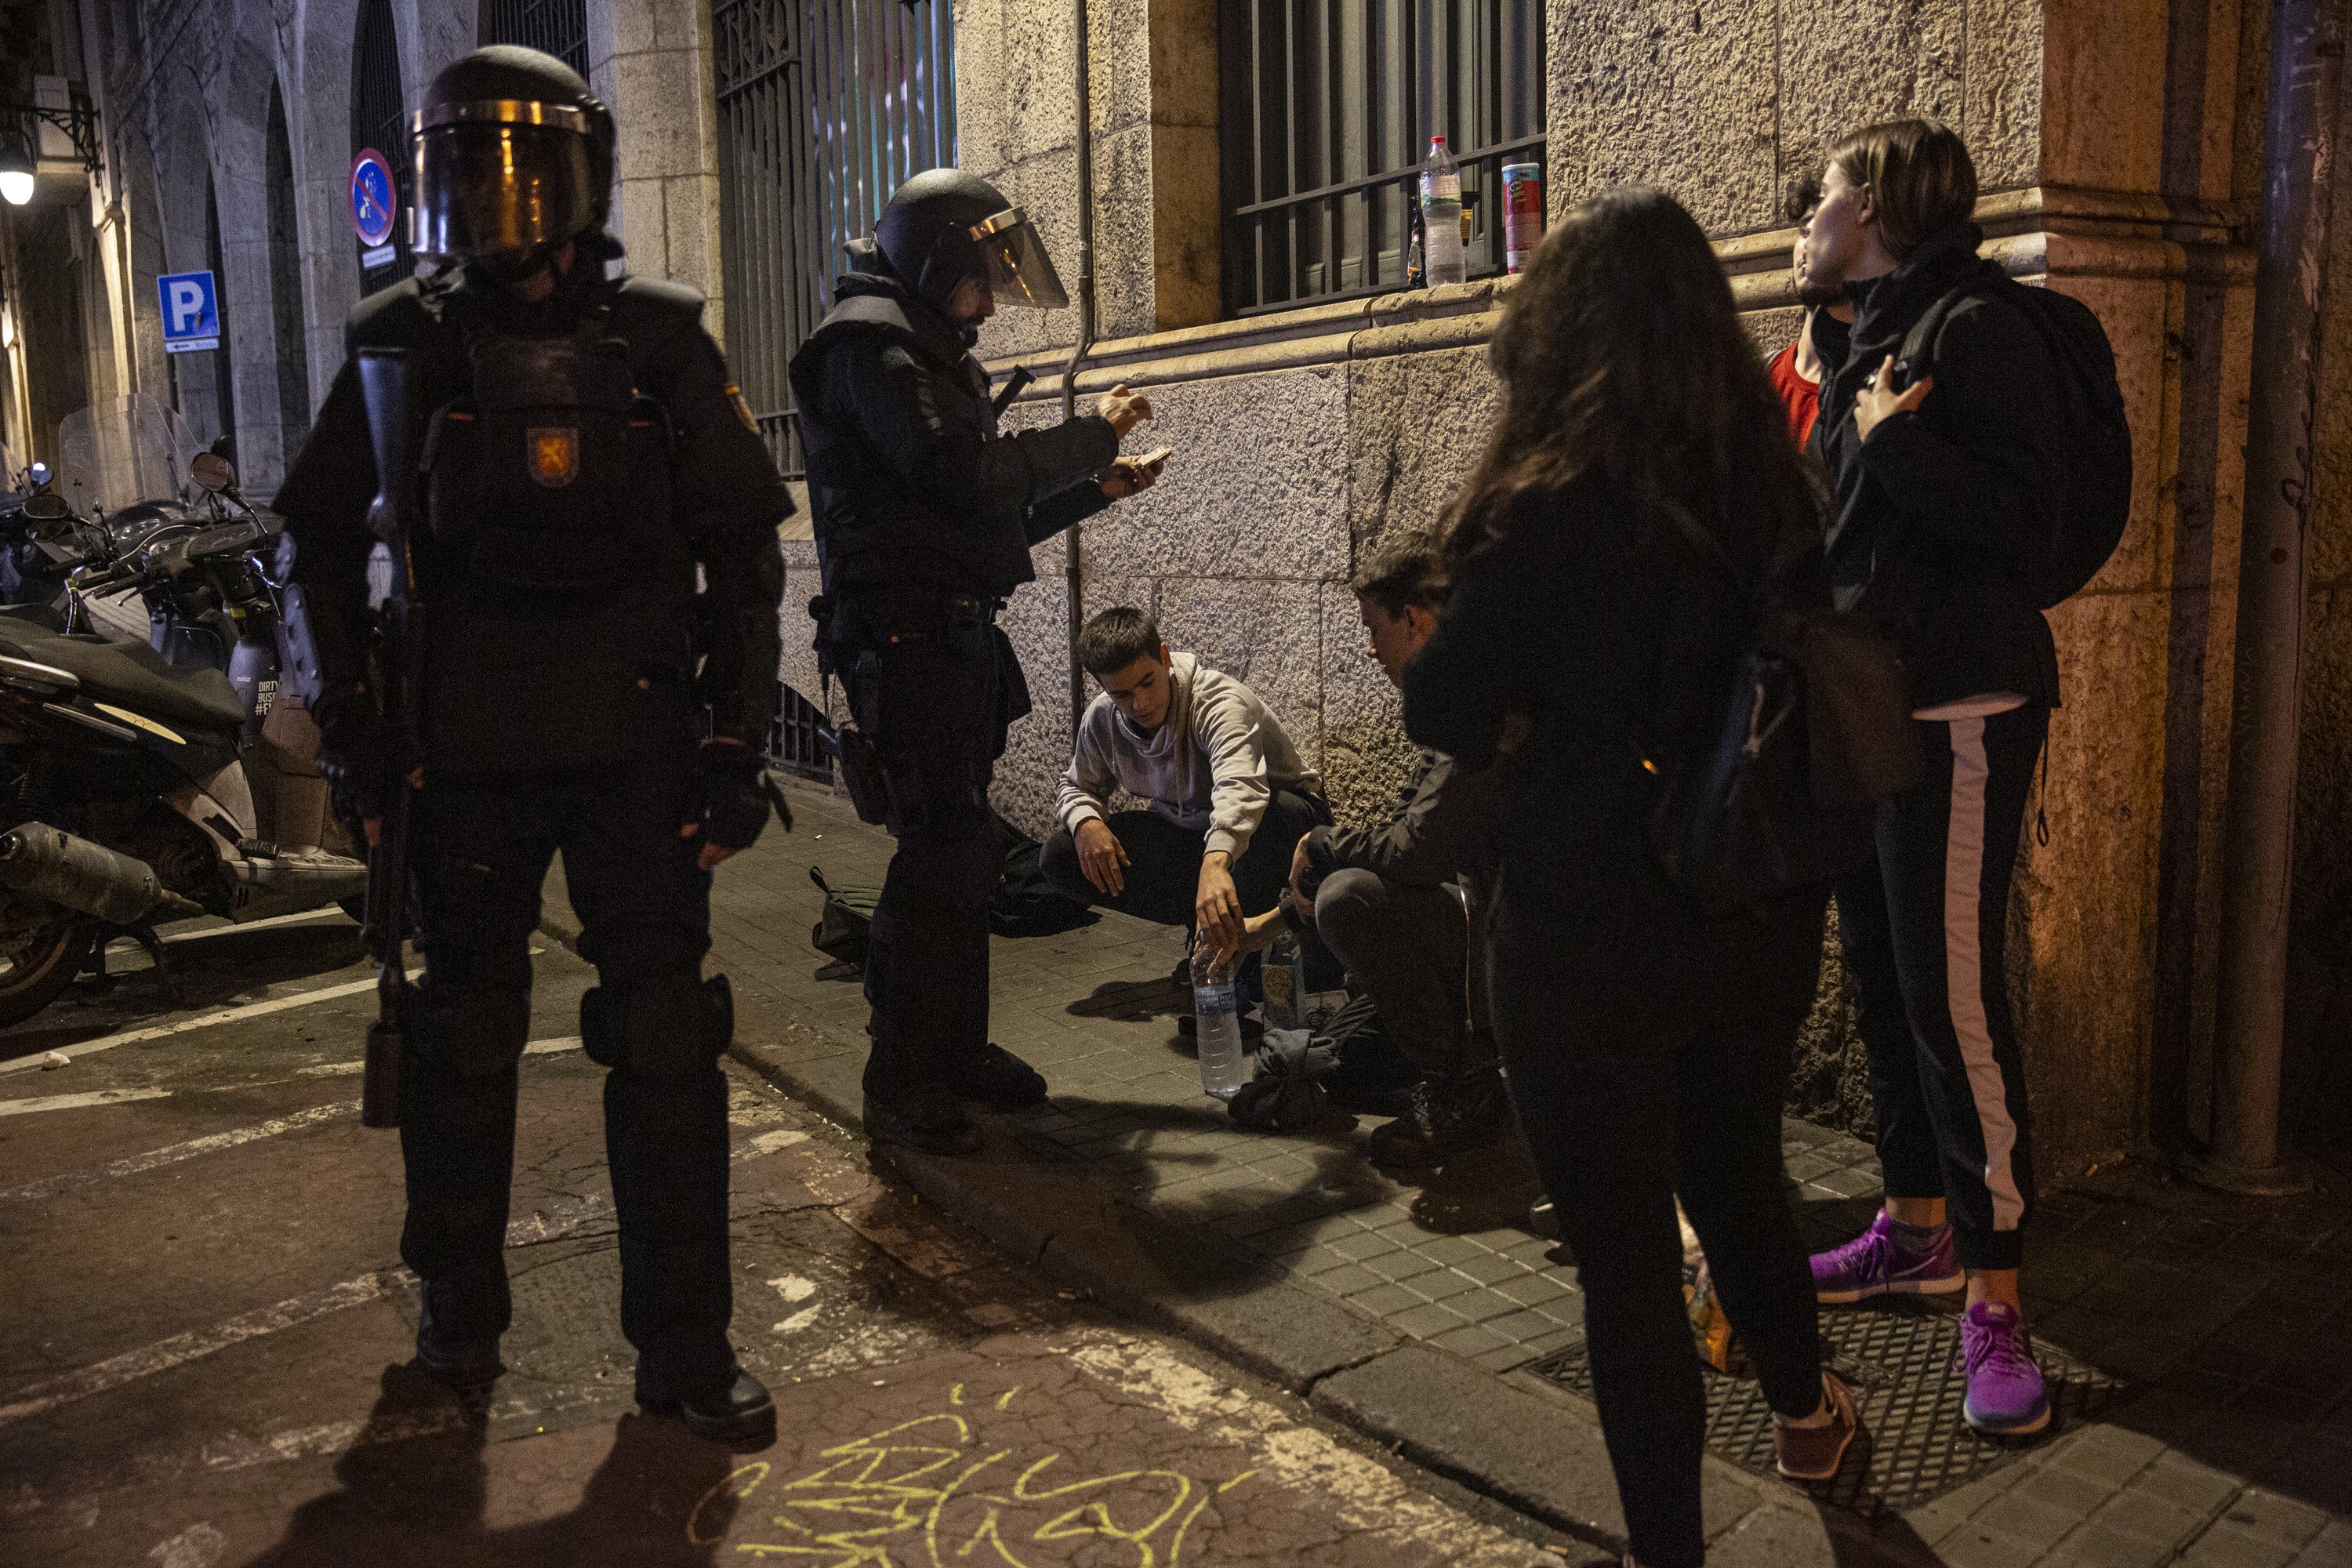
1441, 828
908, 476
1617, 643
542, 681
1937, 511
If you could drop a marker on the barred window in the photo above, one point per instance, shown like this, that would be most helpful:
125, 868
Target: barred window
1328, 107
559, 28
826, 107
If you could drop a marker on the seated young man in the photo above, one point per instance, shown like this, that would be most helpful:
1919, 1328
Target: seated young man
1228, 793
1399, 902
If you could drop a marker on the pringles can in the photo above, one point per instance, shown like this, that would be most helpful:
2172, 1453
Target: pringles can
1522, 214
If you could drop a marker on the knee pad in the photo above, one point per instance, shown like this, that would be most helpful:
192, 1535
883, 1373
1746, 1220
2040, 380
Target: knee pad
658, 1028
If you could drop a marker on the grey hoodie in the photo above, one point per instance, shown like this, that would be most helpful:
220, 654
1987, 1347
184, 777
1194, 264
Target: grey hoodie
1212, 765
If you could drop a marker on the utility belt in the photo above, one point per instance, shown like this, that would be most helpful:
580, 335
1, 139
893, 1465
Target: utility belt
857, 630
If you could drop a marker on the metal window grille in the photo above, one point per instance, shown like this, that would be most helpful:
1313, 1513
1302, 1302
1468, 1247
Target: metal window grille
1327, 110
824, 108
379, 119
796, 740
559, 28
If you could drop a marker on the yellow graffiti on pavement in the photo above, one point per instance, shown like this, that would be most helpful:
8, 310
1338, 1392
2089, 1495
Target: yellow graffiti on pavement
910, 1496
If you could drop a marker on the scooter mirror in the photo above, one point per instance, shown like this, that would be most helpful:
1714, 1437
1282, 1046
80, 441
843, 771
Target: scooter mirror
212, 472
47, 507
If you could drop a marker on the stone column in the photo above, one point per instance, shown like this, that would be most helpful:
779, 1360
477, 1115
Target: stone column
650, 60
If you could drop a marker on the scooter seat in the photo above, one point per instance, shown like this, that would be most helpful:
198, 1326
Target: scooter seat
134, 675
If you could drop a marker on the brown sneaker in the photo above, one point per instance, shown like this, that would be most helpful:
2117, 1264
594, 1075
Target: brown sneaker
1814, 1453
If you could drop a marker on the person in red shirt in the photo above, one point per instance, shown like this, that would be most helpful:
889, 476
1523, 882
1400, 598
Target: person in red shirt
1797, 369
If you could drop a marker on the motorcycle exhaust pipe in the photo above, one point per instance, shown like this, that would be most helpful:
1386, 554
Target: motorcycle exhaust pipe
43, 862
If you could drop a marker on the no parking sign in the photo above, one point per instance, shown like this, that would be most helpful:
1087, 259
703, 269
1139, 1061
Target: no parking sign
375, 205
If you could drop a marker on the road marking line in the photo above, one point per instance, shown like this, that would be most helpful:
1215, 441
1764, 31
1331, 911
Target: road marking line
339, 1069
173, 1153
561, 1219
242, 1010
75, 1101
302, 917
180, 1349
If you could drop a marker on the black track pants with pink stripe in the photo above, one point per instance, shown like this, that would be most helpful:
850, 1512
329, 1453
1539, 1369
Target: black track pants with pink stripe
1924, 933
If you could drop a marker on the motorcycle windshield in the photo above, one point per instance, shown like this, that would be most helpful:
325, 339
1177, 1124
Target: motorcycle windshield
119, 454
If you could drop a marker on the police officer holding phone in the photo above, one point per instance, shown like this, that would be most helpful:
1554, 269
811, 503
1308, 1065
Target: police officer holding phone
580, 455
925, 513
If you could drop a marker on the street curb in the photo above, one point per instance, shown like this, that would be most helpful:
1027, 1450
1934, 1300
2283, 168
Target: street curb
1541, 1455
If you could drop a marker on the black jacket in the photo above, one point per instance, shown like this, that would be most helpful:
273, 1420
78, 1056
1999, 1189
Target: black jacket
1442, 828
909, 477
556, 683
1937, 511
1617, 642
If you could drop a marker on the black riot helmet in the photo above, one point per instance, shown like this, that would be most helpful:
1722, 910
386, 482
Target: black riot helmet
945, 225
513, 154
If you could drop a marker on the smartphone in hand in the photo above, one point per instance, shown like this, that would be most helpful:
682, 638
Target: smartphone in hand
1157, 460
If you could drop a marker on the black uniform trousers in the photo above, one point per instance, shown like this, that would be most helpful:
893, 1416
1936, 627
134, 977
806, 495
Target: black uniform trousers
1648, 1056
481, 852
1925, 931
933, 701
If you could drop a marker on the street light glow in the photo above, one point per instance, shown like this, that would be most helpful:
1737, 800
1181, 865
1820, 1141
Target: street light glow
16, 177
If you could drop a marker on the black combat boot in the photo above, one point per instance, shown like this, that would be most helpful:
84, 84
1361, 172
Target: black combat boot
455, 1344
738, 1413
932, 1120
1447, 1117
999, 1079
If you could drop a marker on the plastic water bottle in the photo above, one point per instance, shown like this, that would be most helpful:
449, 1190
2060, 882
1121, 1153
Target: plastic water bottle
1440, 216
1217, 1019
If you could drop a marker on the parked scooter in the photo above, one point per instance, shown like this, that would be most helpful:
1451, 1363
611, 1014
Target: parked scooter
139, 784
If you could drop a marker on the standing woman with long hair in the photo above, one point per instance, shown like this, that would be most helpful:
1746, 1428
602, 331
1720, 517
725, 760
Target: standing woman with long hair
1640, 487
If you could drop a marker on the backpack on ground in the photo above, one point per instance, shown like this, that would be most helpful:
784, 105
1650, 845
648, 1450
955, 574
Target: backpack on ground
2095, 486
1026, 903
1813, 732
845, 925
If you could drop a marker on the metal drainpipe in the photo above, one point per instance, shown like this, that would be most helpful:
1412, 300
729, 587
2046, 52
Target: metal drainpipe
1072, 551
2258, 839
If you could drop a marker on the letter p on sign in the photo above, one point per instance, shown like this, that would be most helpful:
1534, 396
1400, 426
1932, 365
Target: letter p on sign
191, 311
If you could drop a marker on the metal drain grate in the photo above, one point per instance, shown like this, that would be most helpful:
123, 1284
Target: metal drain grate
1916, 1445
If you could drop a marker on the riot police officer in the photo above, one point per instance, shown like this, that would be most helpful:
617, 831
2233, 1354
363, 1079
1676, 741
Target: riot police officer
581, 453
925, 513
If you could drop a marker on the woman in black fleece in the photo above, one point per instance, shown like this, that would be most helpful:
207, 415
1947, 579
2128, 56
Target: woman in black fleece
1647, 1049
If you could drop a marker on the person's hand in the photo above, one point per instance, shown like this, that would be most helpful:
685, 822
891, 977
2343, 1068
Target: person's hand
1260, 933
1101, 856
1217, 907
1299, 871
1876, 402
729, 800
1130, 475
1123, 409
351, 757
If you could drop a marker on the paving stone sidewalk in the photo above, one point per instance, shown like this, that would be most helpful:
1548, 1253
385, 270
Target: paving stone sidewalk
1421, 1311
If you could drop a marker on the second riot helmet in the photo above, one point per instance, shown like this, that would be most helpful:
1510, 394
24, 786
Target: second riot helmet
512, 153
944, 226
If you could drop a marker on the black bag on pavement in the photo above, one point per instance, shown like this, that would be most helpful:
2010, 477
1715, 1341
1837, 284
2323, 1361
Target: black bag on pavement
1026, 903
845, 924
2095, 489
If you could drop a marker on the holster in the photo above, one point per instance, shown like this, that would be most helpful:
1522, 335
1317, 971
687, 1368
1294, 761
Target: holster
862, 774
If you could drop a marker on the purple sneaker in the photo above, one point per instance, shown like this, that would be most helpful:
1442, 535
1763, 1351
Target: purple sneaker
2006, 1396
1875, 1264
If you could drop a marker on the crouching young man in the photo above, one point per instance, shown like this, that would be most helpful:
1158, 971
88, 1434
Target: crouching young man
1400, 902
1227, 793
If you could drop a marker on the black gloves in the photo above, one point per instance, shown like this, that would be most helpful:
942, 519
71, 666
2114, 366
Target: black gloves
352, 753
732, 791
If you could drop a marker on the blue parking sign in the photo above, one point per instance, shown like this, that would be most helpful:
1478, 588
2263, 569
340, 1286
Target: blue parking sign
191, 311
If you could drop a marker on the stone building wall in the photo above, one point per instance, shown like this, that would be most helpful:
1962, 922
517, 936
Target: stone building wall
2119, 146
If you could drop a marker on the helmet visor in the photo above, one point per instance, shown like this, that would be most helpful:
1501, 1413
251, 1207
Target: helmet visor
1019, 271
484, 187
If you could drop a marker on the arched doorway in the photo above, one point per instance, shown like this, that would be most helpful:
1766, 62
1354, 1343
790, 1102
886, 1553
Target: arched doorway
286, 315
